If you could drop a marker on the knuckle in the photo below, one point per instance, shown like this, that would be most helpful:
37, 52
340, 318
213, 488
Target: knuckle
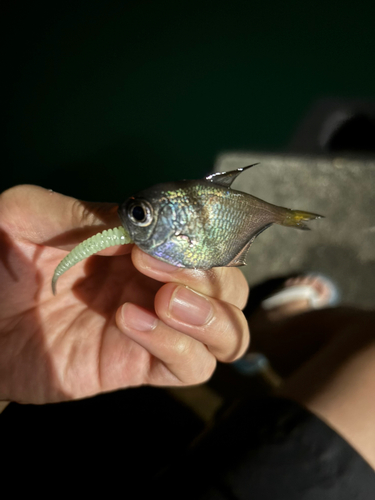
207, 369
182, 347
201, 372
91, 214
244, 291
196, 366
16, 192
9, 192
242, 288
232, 286
236, 337
81, 215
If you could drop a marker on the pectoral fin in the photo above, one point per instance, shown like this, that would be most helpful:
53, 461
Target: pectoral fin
240, 258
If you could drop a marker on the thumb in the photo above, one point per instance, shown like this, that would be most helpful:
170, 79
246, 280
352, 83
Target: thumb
44, 217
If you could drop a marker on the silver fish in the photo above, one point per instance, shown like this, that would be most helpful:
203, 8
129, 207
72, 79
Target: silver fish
202, 223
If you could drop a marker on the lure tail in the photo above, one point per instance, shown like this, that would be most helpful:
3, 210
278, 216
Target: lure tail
108, 238
296, 218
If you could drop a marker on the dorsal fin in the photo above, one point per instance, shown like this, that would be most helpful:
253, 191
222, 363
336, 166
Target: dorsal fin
226, 178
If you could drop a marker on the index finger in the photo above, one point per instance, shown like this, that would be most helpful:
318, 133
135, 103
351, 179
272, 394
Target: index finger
224, 283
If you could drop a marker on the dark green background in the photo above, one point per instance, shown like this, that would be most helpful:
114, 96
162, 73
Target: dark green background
105, 97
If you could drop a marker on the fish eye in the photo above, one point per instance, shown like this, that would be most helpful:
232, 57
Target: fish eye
140, 212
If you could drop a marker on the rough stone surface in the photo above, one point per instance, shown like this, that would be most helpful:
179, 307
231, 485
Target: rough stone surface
341, 246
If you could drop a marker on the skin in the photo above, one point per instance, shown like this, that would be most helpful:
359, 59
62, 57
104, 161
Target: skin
115, 322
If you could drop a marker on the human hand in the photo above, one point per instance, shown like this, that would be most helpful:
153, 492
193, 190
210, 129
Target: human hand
116, 322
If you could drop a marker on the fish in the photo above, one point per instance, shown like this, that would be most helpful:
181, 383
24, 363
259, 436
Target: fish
201, 224
197, 224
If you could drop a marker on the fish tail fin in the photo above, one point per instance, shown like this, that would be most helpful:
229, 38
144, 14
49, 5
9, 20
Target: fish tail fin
297, 218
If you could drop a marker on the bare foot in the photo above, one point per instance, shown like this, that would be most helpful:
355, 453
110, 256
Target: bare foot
297, 295
278, 324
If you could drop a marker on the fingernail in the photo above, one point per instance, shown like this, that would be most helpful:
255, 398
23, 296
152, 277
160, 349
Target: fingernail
190, 307
136, 318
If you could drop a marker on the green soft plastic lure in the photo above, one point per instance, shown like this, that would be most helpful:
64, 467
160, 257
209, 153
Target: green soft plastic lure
197, 224
107, 238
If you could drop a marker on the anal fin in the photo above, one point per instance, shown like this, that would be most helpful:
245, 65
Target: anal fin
240, 258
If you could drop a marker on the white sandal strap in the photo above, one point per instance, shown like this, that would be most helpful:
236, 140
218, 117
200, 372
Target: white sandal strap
291, 294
